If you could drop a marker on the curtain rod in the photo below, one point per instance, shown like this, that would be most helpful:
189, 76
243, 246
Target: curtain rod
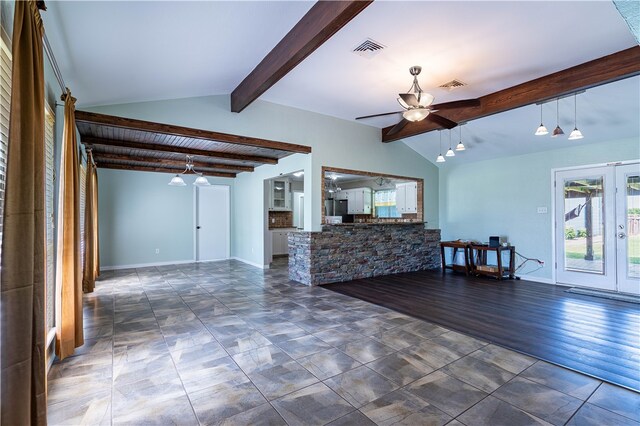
54, 64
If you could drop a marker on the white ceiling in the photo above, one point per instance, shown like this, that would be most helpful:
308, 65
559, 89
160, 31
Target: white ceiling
118, 52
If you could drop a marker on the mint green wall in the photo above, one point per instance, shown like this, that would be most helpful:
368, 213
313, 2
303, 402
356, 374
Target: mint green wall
139, 212
335, 142
501, 196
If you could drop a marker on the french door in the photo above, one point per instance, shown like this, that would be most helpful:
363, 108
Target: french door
598, 227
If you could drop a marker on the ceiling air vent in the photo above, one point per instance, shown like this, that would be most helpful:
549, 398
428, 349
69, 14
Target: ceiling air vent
368, 48
453, 84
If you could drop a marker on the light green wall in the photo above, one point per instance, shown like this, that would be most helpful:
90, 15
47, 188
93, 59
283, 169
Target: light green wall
139, 213
501, 196
335, 142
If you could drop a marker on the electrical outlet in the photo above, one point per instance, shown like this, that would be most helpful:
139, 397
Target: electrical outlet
157, 251
542, 210
273, 220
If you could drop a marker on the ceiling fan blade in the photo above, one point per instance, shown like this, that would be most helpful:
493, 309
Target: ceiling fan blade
444, 122
379, 115
398, 127
464, 103
410, 99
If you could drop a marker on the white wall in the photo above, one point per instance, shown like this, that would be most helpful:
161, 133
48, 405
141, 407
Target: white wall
139, 213
335, 142
501, 196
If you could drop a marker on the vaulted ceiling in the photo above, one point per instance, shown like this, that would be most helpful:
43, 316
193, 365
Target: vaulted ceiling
120, 52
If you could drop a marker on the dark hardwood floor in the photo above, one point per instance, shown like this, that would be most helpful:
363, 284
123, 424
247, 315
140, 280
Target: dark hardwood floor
595, 336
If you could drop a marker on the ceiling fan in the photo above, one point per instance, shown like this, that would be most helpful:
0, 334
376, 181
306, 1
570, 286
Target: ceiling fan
418, 105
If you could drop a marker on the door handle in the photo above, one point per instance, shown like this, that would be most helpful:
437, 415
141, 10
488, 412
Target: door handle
622, 235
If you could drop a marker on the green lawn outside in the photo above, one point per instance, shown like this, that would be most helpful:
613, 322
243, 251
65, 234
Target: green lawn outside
576, 248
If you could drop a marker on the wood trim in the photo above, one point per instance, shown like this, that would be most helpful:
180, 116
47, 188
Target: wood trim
177, 150
366, 174
607, 69
159, 169
170, 162
317, 26
169, 129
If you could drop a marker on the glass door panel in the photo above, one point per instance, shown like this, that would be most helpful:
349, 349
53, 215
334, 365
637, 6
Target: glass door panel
584, 219
628, 228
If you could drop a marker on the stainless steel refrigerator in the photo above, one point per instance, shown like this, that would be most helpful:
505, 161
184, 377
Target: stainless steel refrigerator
335, 207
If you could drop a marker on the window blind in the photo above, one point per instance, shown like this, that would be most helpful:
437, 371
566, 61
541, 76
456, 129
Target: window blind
5, 107
49, 142
83, 200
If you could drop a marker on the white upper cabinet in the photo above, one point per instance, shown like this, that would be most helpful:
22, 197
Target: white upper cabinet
359, 200
407, 197
340, 195
279, 195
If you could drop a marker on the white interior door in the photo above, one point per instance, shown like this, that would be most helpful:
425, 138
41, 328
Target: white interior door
585, 228
628, 227
212, 223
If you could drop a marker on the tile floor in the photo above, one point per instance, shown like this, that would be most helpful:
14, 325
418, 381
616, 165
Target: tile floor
229, 344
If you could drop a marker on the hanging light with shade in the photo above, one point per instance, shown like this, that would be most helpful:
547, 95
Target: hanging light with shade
440, 158
450, 152
558, 130
460, 146
575, 134
201, 180
542, 130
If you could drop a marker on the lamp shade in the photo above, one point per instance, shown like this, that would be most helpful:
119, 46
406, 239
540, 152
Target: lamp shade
557, 132
415, 114
177, 181
460, 146
541, 131
575, 134
426, 99
201, 181
440, 159
450, 153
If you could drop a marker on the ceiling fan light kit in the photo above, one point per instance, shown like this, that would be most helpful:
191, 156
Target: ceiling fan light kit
418, 105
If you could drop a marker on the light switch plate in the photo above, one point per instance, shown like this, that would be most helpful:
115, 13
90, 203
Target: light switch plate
542, 210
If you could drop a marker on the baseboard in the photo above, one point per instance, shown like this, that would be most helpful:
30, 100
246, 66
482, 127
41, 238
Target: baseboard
146, 265
536, 279
248, 262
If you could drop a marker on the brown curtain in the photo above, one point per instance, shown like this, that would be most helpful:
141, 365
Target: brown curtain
90, 267
22, 281
68, 271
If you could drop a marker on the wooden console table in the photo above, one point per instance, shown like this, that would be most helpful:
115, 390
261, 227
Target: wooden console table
455, 245
478, 261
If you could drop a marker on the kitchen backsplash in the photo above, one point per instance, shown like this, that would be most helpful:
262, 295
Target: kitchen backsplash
280, 220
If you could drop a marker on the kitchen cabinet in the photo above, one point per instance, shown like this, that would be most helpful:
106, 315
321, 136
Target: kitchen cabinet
279, 195
359, 200
280, 241
407, 197
340, 195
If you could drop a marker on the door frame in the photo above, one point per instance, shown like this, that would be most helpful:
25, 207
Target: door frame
195, 223
553, 204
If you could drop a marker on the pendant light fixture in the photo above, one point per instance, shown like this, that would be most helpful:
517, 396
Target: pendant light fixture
450, 152
541, 130
460, 146
440, 158
575, 134
557, 131
177, 180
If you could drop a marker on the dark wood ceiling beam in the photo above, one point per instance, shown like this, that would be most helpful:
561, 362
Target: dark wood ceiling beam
170, 162
177, 150
187, 132
317, 26
607, 69
158, 169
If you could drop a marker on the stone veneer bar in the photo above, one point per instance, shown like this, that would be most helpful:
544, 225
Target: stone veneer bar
347, 252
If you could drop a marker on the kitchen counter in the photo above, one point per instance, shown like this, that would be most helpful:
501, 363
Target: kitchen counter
349, 251
329, 225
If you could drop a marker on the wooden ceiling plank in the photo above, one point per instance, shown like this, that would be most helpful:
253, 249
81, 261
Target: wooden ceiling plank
179, 150
172, 130
317, 26
142, 158
607, 69
159, 169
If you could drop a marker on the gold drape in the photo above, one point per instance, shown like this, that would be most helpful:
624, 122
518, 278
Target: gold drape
68, 271
90, 267
22, 281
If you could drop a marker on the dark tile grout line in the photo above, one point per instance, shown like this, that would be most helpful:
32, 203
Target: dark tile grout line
583, 403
